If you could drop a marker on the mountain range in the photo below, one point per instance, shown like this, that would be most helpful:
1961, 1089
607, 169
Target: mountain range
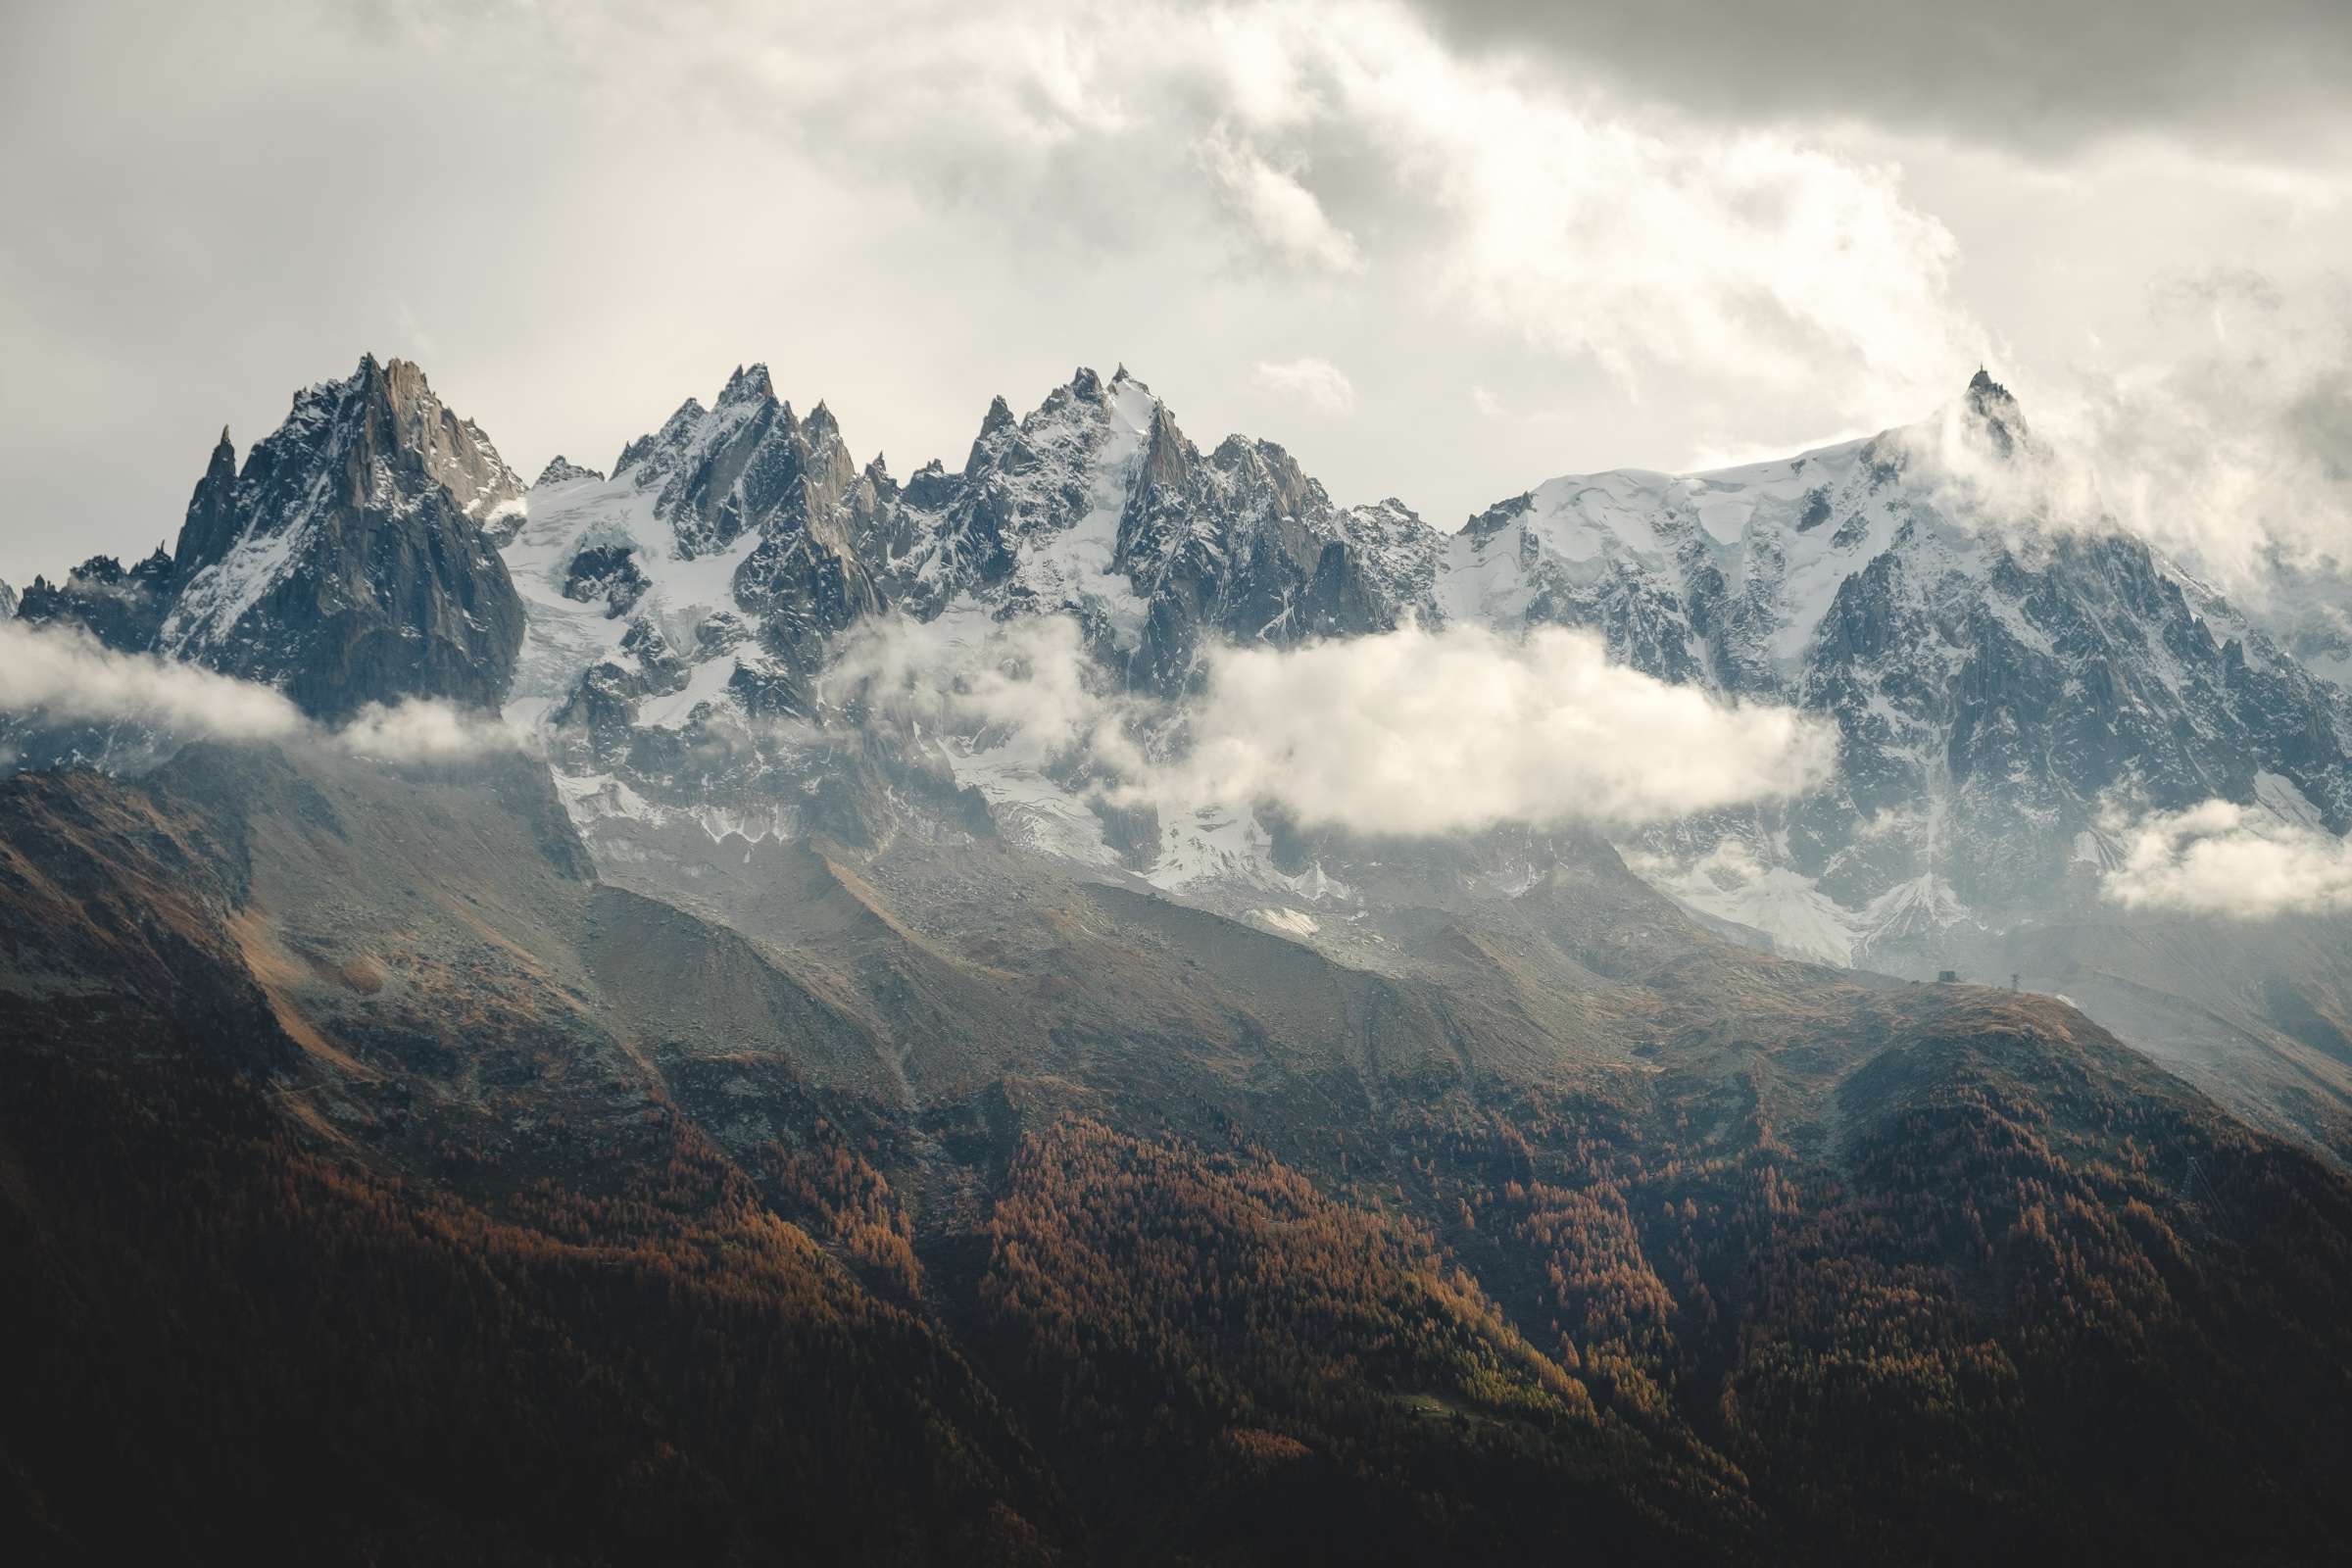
740, 1120
2002, 688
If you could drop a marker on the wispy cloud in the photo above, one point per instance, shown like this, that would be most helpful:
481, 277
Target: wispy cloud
419, 730
1347, 143
1279, 211
2235, 861
1419, 732
1319, 383
71, 676
1412, 733
67, 676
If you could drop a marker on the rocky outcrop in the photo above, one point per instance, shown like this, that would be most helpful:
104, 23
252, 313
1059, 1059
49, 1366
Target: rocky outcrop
560, 469
347, 561
119, 606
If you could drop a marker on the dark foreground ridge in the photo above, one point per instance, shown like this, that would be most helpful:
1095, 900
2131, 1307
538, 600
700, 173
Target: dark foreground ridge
377, 1184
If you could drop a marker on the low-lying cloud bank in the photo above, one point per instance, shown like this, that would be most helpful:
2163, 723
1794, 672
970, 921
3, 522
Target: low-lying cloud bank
1409, 733
2240, 863
1420, 732
72, 678
416, 730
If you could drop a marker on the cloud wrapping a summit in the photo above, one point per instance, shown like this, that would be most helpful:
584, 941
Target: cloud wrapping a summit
2233, 459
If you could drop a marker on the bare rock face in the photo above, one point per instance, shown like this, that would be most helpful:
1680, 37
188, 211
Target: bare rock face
119, 606
348, 563
8, 601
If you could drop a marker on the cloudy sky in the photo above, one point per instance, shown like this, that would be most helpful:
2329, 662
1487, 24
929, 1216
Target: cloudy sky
1442, 250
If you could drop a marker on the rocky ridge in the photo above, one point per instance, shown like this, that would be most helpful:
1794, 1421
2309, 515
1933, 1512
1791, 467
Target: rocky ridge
2000, 686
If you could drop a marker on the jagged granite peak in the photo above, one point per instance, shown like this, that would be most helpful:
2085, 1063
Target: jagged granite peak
748, 384
347, 561
682, 604
455, 451
650, 456
560, 469
1000, 417
1097, 504
748, 465
719, 557
8, 601
212, 521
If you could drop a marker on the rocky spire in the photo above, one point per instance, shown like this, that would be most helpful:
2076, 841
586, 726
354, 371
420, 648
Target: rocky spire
347, 562
212, 521
1997, 412
995, 428
748, 384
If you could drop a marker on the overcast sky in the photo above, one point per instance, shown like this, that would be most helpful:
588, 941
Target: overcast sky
1440, 251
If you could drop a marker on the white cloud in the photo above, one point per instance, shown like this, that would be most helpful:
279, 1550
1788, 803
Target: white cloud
1766, 264
2231, 452
1319, 383
1279, 211
1419, 732
1412, 733
1024, 688
417, 729
1342, 142
69, 677
72, 678
2237, 448
2240, 863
